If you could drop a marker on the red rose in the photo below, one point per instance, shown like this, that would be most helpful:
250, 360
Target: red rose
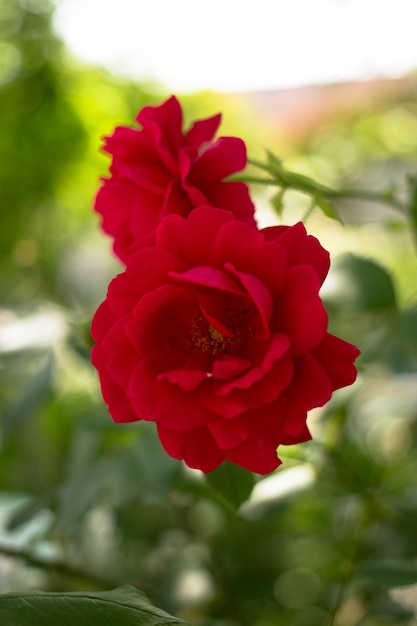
218, 334
160, 170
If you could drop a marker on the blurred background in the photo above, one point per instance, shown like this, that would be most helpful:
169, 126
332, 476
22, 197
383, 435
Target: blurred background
328, 86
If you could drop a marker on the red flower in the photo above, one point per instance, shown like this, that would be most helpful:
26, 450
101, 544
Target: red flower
160, 170
218, 334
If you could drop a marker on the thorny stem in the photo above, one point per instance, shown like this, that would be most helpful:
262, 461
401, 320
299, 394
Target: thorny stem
59, 567
279, 177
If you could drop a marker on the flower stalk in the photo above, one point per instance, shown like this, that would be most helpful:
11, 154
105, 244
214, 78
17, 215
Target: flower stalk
287, 180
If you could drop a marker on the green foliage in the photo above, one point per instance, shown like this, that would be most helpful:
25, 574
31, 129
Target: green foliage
389, 572
360, 285
233, 483
412, 183
124, 605
41, 135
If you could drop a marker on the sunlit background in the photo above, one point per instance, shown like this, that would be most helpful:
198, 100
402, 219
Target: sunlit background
330, 87
242, 45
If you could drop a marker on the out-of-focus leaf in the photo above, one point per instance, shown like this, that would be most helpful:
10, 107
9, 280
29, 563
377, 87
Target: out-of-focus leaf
389, 608
412, 182
142, 472
125, 606
233, 483
23, 513
32, 394
358, 284
401, 349
389, 572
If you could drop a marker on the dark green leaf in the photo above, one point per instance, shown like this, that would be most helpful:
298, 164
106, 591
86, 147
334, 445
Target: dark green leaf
401, 349
361, 285
125, 606
233, 483
387, 607
389, 572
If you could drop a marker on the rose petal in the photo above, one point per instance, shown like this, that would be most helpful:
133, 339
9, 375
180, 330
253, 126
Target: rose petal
259, 456
225, 195
176, 202
122, 357
202, 131
226, 156
300, 312
113, 394
228, 367
147, 269
310, 377
102, 321
161, 401
253, 424
188, 380
213, 306
208, 277
302, 249
228, 433
162, 321
243, 247
136, 159
192, 238
164, 124
259, 295
277, 348
196, 447
336, 356
302, 433
255, 389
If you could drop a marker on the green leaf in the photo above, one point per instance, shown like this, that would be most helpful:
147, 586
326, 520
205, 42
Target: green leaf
386, 607
359, 284
389, 572
232, 483
33, 393
274, 162
327, 208
401, 348
277, 201
140, 470
124, 606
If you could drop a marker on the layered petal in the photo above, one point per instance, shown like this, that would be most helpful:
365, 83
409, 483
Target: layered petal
196, 447
299, 312
337, 357
159, 169
215, 331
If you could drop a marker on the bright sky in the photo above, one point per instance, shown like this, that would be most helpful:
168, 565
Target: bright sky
240, 45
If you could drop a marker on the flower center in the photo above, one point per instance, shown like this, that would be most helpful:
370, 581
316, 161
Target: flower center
206, 338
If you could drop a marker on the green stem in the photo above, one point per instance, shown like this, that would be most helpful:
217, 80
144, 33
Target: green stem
57, 567
309, 210
279, 177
